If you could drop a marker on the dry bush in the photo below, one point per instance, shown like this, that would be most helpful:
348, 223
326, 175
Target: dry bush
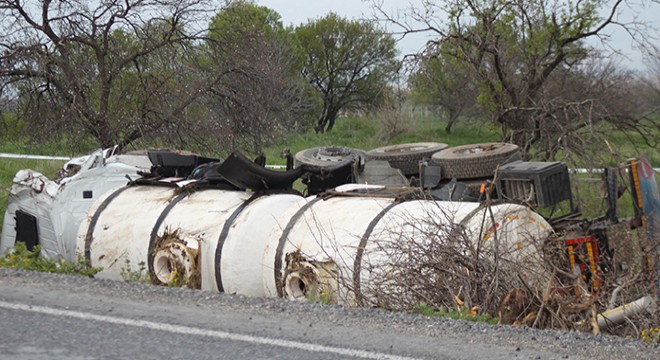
449, 260
391, 123
621, 277
437, 262
434, 260
630, 273
391, 118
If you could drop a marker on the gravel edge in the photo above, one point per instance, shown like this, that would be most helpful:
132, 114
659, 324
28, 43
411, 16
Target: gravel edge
581, 344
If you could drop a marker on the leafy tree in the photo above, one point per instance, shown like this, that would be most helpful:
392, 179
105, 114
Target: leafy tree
349, 62
115, 70
441, 80
242, 22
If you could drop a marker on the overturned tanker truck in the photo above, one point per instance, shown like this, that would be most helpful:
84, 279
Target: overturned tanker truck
279, 244
235, 226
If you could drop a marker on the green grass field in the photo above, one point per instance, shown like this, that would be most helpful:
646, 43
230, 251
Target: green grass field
366, 134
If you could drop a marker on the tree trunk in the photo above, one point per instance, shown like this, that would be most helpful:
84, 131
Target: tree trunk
322, 121
331, 124
453, 117
320, 125
327, 119
331, 116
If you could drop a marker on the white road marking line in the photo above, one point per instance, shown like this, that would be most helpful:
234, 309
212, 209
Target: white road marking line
186, 330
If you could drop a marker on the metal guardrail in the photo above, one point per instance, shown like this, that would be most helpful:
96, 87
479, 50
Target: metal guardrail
35, 157
64, 158
598, 171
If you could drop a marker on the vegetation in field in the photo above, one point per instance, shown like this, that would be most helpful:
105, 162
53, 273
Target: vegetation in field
21, 258
348, 62
135, 275
651, 335
531, 73
366, 133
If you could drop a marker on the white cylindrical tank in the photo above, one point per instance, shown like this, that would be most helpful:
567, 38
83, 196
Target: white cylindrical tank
210, 239
194, 223
230, 229
116, 233
517, 237
247, 239
284, 245
333, 247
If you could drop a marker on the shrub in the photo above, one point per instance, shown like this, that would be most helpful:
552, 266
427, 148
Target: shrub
21, 258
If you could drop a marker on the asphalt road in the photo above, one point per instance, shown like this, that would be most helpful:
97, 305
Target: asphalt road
45, 316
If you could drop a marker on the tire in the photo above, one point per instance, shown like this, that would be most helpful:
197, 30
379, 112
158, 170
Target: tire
476, 160
406, 157
326, 156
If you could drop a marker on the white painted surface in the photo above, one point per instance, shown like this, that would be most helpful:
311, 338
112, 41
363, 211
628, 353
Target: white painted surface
199, 219
621, 313
518, 239
121, 235
123, 231
328, 232
248, 240
331, 231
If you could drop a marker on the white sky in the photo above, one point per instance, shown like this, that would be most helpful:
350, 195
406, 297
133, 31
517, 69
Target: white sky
296, 12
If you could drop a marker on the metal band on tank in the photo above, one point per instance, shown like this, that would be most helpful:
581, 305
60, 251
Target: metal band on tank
282, 241
223, 238
357, 264
89, 237
154, 230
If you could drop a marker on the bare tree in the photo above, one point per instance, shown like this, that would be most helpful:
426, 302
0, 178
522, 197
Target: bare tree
524, 55
263, 96
259, 102
391, 115
115, 70
649, 83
